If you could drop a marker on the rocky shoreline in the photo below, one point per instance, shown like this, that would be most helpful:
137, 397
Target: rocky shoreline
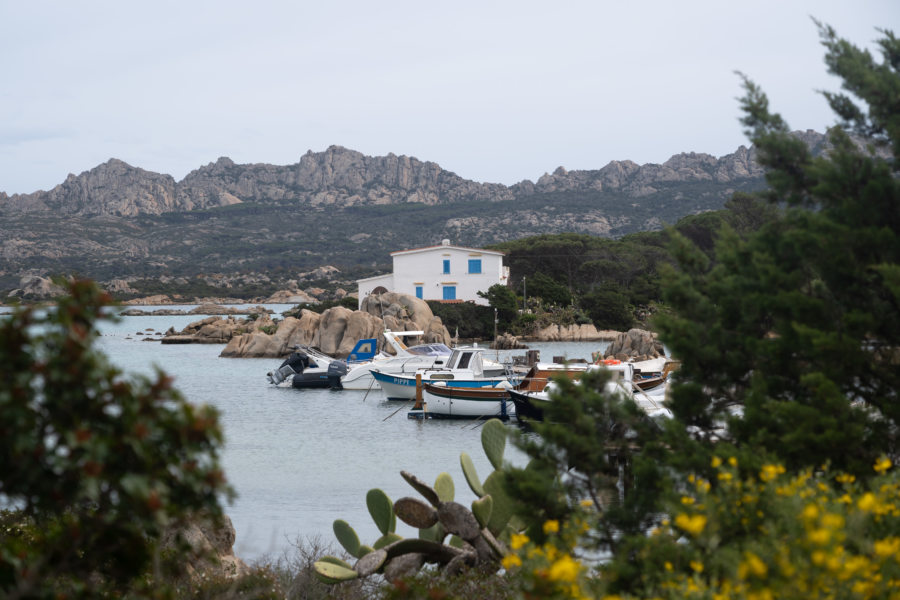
336, 330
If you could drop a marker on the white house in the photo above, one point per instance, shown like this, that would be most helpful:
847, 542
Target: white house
442, 272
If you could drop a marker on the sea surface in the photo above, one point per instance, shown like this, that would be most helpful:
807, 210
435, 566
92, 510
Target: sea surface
299, 459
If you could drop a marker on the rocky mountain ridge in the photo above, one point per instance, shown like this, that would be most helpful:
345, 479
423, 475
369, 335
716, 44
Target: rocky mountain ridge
340, 177
261, 228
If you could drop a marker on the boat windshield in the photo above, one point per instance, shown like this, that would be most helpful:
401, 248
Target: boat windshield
429, 350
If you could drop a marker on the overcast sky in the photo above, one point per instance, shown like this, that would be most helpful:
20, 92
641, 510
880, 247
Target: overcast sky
494, 91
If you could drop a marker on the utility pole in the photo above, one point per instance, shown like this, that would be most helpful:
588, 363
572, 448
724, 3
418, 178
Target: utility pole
495, 324
524, 295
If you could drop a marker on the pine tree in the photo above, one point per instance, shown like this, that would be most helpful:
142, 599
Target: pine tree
798, 326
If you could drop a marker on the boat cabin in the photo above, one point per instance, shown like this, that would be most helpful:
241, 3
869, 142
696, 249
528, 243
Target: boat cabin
470, 360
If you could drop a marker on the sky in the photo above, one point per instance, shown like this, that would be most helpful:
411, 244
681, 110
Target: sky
493, 91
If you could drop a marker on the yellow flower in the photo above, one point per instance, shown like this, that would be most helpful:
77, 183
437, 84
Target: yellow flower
693, 524
770, 472
687, 500
517, 540
819, 536
832, 520
551, 526
732, 461
587, 503
867, 502
810, 512
716, 462
845, 478
511, 560
697, 566
564, 569
752, 565
882, 464
888, 547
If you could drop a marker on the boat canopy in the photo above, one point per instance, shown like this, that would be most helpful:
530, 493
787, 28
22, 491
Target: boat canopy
429, 350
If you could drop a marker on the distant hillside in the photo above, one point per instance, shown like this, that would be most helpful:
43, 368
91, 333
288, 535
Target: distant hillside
336, 207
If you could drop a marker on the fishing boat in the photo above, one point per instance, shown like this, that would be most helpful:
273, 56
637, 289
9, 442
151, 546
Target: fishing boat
530, 404
445, 400
464, 367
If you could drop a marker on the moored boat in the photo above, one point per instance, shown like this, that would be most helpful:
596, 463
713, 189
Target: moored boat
530, 404
464, 368
306, 367
445, 399
406, 360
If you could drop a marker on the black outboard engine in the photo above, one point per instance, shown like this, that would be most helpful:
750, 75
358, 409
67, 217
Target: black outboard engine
296, 363
336, 370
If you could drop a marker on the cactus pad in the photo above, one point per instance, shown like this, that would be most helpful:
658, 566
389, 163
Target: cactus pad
386, 540
468, 469
347, 537
336, 561
332, 573
416, 513
371, 562
482, 508
423, 488
493, 439
444, 487
502, 504
381, 508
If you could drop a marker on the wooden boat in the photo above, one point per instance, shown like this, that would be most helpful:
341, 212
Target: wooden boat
531, 404
464, 367
446, 400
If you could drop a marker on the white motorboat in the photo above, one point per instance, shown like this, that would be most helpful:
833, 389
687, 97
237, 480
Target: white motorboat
407, 359
307, 367
464, 368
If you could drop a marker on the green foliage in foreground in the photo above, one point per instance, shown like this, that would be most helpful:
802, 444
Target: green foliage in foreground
95, 465
774, 477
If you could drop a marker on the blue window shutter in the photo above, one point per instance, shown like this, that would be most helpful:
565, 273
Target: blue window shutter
419, 292
474, 265
449, 292
446, 265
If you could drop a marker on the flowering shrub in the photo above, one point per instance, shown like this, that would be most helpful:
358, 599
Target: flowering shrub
551, 569
772, 535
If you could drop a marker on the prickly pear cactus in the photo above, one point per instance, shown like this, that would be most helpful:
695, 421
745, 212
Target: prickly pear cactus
473, 533
493, 440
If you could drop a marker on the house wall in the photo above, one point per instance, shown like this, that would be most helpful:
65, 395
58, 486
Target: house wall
367, 285
425, 268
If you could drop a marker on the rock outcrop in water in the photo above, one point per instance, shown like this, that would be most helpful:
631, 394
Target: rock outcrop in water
635, 344
336, 330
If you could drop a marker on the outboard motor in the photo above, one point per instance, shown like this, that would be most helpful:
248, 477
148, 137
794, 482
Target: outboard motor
336, 370
292, 365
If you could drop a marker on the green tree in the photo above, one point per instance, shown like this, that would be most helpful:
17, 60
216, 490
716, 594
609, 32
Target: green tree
798, 323
93, 465
608, 309
503, 299
788, 331
547, 289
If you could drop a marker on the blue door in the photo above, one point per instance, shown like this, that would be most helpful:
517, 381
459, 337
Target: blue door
449, 292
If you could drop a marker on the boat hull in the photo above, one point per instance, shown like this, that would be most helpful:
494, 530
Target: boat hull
528, 407
404, 388
445, 402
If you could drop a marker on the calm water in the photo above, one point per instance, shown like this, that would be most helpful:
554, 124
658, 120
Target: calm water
299, 459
